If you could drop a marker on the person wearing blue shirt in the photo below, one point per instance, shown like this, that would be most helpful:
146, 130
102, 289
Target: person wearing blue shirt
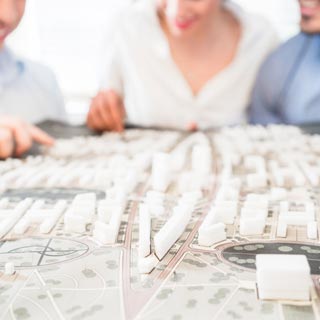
287, 89
28, 91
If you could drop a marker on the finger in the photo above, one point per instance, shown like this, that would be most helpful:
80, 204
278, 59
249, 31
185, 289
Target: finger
6, 143
192, 127
22, 138
116, 109
95, 119
40, 136
104, 112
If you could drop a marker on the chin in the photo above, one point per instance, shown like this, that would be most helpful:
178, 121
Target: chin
311, 27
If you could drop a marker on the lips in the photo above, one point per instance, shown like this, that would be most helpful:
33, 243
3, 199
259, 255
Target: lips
309, 7
183, 24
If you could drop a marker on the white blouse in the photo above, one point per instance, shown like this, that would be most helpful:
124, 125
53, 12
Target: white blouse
141, 69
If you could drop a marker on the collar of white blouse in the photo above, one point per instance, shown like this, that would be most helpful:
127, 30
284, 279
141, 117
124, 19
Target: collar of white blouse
162, 50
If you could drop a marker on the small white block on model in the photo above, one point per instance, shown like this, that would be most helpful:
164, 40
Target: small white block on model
225, 212
161, 172
107, 233
14, 216
283, 277
278, 194
22, 226
9, 269
202, 159
104, 233
144, 231
54, 215
252, 226
282, 230
4, 203
171, 232
146, 265
257, 200
257, 180
253, 213
210, 235
295, 218
157, 211
312, 230
73, 223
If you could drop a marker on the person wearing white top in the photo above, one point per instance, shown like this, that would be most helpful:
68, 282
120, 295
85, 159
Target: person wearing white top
28, 91
181, 64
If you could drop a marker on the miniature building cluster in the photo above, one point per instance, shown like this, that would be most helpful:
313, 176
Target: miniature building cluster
236, 185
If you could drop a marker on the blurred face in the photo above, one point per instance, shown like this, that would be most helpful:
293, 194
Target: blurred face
310, 13
188, 16
11, 12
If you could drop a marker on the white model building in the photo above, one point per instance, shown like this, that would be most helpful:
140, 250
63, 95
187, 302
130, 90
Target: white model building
210, 234
38, 214
161, 172
283, 277
81, 213
10, 217
172, 230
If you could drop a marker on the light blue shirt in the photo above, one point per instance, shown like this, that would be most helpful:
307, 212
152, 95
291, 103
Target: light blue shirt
288, 85
28, 90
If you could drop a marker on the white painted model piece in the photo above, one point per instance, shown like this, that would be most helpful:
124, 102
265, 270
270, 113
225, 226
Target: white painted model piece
117, 195
74, 223
312, 173
282, 230
255, 163
195, 195
22, 226
297, 218
202, 159
144, 231
81, 213
225, 212
48, 224
13, 216
227, 193
9, 269
107, 233
278, 194
257, 197
161, 172
155, 195
283, 277
211, 234
257, 180
248, 213
155, 202
146, 265
105, 209
312, 230
252, 226
171, 232
4, 203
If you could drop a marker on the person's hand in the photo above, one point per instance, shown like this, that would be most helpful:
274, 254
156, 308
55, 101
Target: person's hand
6, 143
17, 137
192, 127
106, 112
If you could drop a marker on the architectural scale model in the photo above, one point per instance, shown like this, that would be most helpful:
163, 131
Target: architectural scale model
163, 225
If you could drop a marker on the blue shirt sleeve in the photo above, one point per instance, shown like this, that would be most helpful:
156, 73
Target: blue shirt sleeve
263, 109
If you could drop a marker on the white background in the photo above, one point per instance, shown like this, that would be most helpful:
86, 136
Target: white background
68, 35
